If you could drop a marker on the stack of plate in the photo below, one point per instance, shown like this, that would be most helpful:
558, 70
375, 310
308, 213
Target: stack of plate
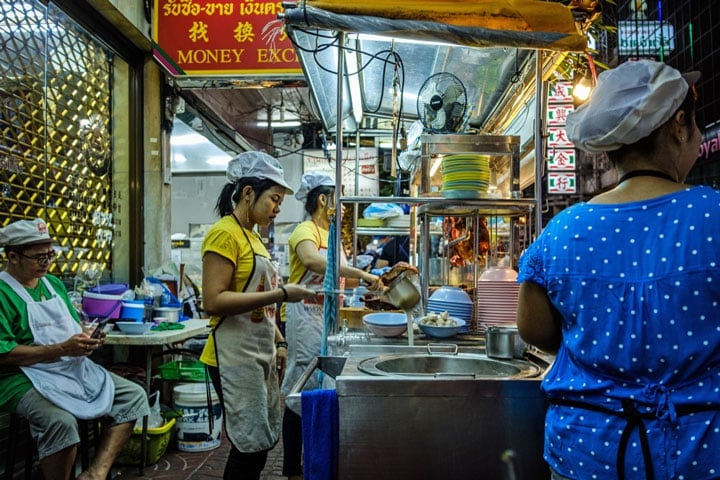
453, 300
496, 303
465, 175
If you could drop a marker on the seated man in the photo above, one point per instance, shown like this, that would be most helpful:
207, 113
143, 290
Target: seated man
45, 373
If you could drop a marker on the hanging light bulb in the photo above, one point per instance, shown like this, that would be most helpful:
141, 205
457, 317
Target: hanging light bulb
583, 88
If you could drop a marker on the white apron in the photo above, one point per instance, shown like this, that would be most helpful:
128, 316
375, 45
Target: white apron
75, 384
304, 330
246, 355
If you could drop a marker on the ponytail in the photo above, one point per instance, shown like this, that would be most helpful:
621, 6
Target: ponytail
227, 199
230, 194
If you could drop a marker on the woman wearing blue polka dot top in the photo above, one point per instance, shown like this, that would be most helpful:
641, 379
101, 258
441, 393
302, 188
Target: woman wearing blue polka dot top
625, 289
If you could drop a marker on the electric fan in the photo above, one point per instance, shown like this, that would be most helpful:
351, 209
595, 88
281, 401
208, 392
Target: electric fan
441, 103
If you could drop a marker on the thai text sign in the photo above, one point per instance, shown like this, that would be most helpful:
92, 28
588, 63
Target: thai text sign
645, 37
203, 37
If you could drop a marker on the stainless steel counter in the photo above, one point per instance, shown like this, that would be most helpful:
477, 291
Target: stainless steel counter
429, 427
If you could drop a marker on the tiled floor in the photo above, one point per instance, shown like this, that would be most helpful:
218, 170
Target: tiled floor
177, 465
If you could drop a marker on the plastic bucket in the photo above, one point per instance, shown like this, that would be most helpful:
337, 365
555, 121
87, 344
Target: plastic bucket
98, 305
133, 311
193, 428
110, 289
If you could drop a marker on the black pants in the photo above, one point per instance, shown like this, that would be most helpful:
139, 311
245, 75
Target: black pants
292, 443
240, 465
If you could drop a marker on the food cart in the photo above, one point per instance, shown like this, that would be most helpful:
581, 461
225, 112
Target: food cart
411, 422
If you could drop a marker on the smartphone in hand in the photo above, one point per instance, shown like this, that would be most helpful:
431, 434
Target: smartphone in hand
100, 327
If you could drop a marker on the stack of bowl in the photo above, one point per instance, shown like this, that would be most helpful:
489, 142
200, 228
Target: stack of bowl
453, 300
497, 295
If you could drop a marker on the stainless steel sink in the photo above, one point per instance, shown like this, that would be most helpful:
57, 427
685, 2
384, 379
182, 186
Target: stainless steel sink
443, 365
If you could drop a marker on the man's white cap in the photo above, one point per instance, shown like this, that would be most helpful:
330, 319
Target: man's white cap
310, 181
628, 104
25, 232
256, 165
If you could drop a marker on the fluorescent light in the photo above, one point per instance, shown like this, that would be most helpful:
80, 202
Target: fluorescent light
191, 138
278, 124
221, 160
437, 161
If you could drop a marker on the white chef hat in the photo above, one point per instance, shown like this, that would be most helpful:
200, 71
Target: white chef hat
25, 232
256, 165
310, 181
628, 104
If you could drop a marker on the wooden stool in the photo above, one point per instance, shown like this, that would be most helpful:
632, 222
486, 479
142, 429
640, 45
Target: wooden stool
19, 425
16, 424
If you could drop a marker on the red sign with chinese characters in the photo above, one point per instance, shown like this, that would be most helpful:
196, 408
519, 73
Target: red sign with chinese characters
202, 37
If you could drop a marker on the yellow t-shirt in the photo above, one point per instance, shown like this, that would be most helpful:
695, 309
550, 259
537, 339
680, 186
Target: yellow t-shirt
226, 238
307, 230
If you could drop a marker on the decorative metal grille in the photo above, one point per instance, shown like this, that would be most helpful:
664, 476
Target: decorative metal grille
55, 112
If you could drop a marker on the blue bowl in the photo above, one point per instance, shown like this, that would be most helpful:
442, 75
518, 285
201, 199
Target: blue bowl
452, 295
442, 332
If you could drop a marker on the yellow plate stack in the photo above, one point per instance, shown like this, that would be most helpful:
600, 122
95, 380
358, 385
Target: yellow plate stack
465, 175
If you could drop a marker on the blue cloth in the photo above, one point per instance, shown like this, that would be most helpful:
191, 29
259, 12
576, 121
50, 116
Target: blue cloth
320, 432
330, 284
638, 289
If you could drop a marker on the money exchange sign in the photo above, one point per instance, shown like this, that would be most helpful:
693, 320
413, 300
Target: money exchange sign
203, 37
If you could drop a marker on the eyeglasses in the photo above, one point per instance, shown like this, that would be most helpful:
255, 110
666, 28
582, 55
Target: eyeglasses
42, 258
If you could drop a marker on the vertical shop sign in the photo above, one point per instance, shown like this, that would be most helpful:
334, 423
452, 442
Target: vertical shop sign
560, 92
560, 150
561, 182
561, 159
203, 37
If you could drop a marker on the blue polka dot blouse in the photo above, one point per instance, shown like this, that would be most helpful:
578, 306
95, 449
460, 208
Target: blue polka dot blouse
638, 287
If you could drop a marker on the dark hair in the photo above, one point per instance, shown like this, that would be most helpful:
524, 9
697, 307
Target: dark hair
230, 194
15, 248
647, 144
311, 203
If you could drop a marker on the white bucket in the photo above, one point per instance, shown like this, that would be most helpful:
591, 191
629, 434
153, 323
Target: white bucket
193, 432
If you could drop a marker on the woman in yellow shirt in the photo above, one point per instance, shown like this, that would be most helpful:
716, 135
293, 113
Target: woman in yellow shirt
246, 353
304, 320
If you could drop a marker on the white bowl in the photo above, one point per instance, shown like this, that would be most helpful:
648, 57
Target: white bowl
502, 274
386, 324
134, 328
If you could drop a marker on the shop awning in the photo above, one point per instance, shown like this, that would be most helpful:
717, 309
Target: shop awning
475, 23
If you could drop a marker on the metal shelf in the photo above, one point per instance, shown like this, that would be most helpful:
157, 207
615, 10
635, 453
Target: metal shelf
389, 231
495, 206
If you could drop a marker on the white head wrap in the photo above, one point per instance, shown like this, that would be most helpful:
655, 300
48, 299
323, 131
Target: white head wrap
628, 104
256, 165
312, 180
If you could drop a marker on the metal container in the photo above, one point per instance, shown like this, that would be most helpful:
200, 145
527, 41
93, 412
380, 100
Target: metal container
171, 313
403, 293
504, 342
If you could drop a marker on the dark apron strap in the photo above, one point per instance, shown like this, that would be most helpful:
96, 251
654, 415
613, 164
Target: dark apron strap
634, 420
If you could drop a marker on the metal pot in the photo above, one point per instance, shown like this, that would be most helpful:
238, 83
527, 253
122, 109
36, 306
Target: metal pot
171, 313
504, 342
403, 293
